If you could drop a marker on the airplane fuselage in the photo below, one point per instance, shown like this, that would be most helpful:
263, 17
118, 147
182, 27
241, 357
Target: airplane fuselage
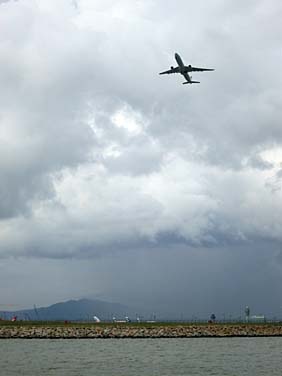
180, 63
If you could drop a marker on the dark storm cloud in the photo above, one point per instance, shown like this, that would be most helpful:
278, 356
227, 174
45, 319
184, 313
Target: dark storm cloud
103, 159
59, 108
41, 126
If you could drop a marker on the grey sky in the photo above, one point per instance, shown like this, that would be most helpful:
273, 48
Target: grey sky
119, 183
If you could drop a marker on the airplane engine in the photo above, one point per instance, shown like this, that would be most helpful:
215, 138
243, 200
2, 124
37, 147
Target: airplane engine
171, 68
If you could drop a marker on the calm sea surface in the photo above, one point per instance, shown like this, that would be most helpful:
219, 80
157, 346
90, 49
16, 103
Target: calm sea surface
198, 356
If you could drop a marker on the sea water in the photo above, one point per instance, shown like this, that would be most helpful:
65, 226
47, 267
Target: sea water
164, 357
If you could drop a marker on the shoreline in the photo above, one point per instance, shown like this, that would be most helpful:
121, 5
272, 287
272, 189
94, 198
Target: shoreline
72, 331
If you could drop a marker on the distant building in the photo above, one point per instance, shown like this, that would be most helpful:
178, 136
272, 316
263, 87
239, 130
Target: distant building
258, 318
247, 313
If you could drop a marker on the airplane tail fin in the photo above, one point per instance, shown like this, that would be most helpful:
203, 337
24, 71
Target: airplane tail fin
191, 82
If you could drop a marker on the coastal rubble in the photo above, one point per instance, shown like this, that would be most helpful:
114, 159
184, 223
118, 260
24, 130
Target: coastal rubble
124, 331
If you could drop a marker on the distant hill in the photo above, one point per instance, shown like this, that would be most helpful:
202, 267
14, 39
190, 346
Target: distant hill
83, 309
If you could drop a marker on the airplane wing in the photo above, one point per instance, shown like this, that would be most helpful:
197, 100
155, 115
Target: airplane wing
172, 70
195, 69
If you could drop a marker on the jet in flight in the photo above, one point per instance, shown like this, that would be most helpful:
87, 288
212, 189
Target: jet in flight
184, 69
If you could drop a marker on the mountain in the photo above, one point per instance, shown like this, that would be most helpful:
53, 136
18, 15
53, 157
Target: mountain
81, 310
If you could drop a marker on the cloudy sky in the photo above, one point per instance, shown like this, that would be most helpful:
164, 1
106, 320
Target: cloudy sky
120, 184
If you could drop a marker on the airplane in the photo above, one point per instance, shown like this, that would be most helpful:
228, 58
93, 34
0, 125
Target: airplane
184, 69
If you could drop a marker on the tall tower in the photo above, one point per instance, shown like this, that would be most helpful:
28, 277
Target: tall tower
247, 313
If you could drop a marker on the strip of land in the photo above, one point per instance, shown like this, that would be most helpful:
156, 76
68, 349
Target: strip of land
160, 330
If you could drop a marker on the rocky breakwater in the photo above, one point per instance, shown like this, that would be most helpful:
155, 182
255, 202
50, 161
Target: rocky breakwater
140, 331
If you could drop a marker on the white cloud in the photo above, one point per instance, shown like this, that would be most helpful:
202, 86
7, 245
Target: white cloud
99, 154
67, 101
